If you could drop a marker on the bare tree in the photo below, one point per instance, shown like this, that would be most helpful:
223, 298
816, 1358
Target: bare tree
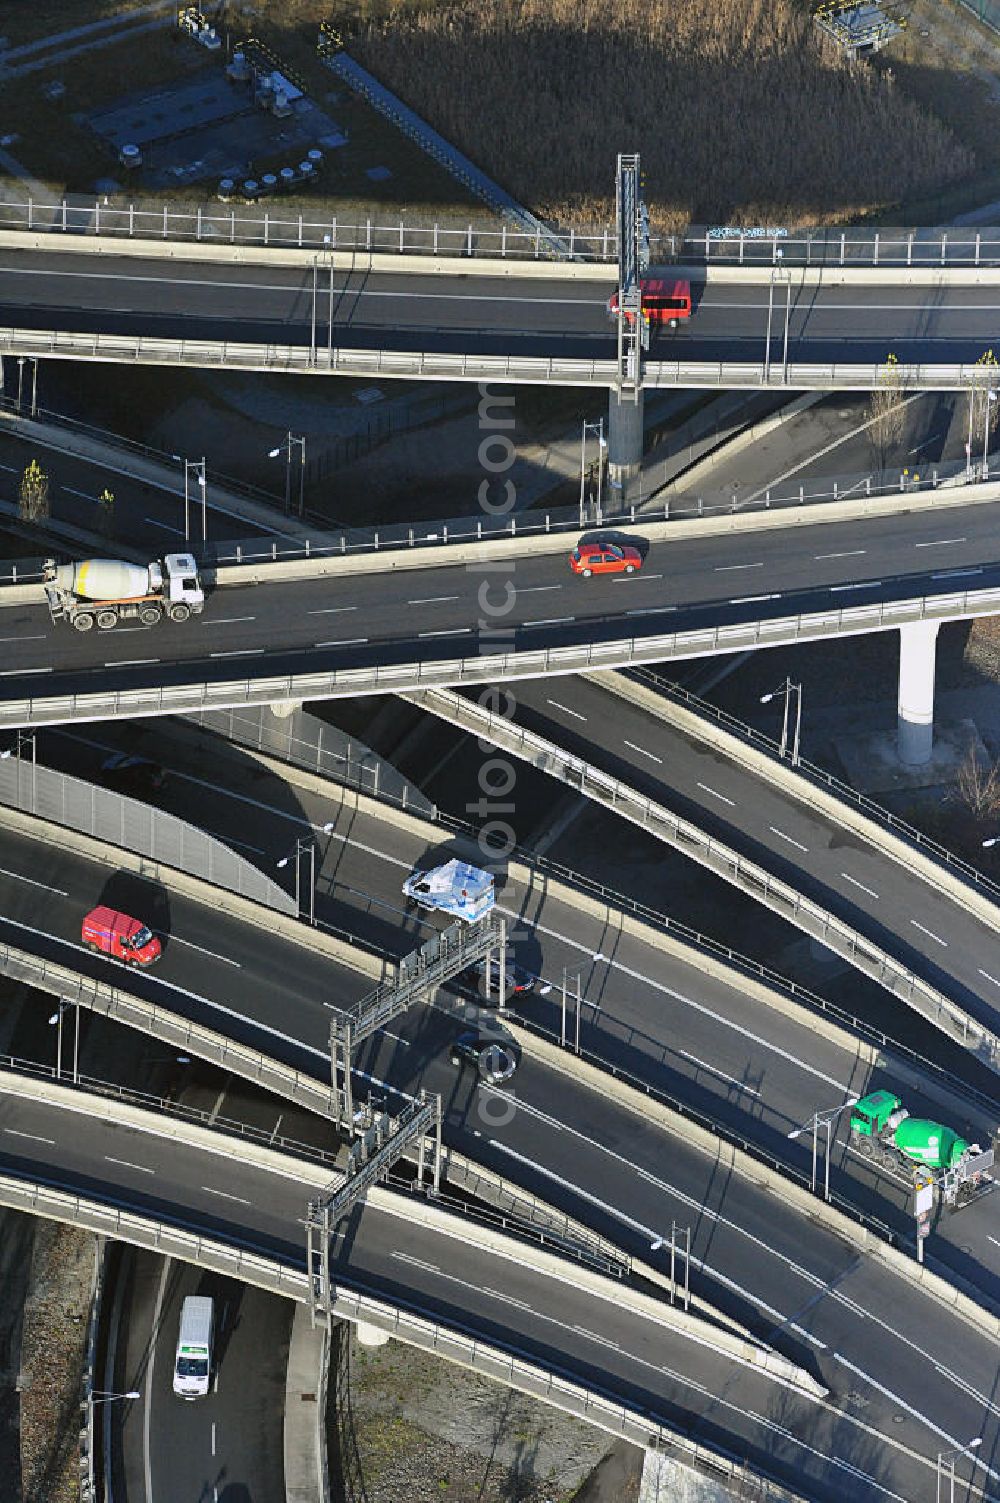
977, 785
34, 494
886, 413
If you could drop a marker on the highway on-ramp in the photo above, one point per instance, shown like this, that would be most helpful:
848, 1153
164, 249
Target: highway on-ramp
863, 1437
465, 310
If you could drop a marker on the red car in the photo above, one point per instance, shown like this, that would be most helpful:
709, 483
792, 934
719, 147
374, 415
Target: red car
119, 936
663, 302
603, 557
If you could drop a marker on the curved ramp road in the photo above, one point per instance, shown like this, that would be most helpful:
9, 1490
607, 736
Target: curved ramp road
438, 612
468, 312
921, 925
880, 1449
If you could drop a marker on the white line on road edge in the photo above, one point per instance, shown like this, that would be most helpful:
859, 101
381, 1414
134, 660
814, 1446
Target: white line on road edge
244, 652
455, 631
930, 934
129, 662
344, 642
549, 621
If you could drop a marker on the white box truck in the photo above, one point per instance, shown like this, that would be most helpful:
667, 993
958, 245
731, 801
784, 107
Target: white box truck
193, 1362
103, 591
457, 888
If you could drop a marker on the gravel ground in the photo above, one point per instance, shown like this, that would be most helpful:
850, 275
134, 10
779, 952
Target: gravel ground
52, 1351
420, 1428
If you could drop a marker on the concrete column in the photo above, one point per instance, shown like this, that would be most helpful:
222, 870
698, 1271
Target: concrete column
915, 730
625, 436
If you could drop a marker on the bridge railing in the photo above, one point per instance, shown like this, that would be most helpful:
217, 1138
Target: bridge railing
264, 225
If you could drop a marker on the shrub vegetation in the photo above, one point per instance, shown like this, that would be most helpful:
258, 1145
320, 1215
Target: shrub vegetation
742, 110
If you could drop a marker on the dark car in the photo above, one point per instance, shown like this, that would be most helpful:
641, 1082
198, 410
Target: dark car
516, 978
491, 1050
133, 775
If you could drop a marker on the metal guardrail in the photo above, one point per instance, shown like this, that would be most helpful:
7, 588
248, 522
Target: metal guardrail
408, 676
699, 246
551, 370
812, 773
134, 826
747, 875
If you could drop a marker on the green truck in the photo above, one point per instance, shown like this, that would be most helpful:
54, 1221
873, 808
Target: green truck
882, 1129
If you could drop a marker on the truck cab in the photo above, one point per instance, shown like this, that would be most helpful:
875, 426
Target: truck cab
456, 888
123, 938
877, 1113
182, 584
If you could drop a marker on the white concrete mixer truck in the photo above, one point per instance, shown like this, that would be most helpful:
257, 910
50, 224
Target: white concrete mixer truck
103, 591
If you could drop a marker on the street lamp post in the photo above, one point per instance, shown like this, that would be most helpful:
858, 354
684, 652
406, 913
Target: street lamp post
287, 451
786, 693
56, 1021
198, 465
304, 843
6, 754
824, 1119
602, 444
105, 1398
946, 1468
779, 277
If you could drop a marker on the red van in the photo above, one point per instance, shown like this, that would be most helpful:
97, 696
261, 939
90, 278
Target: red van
121, 937
663, 301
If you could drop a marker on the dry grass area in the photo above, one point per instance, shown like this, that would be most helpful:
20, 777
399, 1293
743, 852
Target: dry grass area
741, 110
52, 1354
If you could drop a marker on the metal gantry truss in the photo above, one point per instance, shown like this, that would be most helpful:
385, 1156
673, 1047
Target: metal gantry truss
379, 1146
633, 260
444, 955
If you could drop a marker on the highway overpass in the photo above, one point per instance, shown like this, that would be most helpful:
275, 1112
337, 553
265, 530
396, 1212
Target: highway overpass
251, 1200
163, 303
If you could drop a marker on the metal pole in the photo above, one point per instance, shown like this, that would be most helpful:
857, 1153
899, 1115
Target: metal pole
784, 719
76, 1045
767, 344
687, 1269
673, 1261
312, 331
288, 471
329, 318
815, 1137
788, 314
204, 501
302, 478
578, 1001
968, 447
986, 433
600, 473
20, 381
312, 885
34, 386
798, 726
187, 524
583, 466
826, 1167
562, 1031
59, 1018
298, 853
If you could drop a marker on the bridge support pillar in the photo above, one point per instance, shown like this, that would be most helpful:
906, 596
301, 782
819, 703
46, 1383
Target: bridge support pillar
625, 436
915, 729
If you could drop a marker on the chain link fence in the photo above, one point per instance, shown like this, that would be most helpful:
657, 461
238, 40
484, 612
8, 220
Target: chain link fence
132, 826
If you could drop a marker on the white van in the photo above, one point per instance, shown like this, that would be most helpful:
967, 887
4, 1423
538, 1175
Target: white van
193, 1362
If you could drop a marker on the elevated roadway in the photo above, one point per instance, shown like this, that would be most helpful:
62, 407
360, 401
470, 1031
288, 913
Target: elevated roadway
209, 311
506, 611
888, 1448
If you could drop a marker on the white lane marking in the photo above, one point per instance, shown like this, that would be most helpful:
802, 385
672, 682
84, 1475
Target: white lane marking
82, 494
11, 467
213, 1437
34, 1136
129, 662
566, 709
652, 610
244, 845
989, 977
165, 525
865, 584
895, 1399
128, 1164
752, 599
643, 752
243, 652
416, 1262
550, 621
854, 553
640, 579
781, 834
714, 1070
175, 939
13, 672
454, 631
855, 883
536, 589
432, 600
148, 1385
332, 610
715, 794
344, 642
941, 543
31, 882
930, 934
508, 1299
993, 1240
227, 620
225, 1195
957, 574
23, 639
729, 568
